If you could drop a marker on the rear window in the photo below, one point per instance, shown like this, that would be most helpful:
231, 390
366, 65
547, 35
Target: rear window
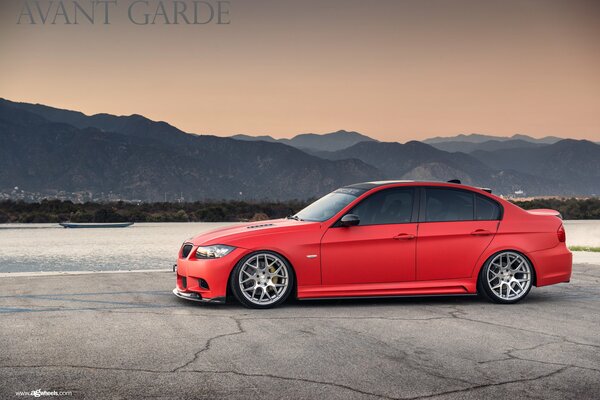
486, 209
448, 205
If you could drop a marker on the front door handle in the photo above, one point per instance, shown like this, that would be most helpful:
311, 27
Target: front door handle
404, 236
481, 232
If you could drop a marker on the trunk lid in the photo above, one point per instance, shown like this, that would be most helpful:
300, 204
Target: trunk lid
545, 211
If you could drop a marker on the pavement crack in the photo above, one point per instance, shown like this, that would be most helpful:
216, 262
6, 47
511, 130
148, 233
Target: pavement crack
349, 318
413, 359
178, 370
207, 345
151, 371
295, 379
510, 356
457, 314
486, 385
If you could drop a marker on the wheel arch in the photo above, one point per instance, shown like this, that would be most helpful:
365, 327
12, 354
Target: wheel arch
498, 251
294, 293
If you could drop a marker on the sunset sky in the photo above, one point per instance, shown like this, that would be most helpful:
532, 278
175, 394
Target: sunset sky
394, 70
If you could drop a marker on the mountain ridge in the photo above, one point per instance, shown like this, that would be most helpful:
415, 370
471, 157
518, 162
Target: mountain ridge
420, 161
36, 152
480, 138
46, 148
312, 142
490, 145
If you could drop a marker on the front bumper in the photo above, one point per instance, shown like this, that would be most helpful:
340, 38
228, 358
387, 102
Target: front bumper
197, 297
205, 280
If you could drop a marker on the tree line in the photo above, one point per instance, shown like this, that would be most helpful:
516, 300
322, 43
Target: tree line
49, 211
53, 211
569, 208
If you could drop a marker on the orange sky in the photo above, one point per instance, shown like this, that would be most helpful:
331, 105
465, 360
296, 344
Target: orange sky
395, 70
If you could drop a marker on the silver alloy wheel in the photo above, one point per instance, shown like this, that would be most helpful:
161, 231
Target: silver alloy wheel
509, 275
263, 278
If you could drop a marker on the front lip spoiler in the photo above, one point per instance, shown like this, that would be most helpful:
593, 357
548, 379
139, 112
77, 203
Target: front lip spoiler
196, 297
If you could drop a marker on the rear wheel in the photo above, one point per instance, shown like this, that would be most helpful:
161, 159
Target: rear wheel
262, 280
506, 277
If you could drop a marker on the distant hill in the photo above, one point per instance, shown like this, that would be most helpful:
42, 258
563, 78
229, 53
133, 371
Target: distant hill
490, 145
420, 161
479, 138
576, 163
249, 138
313, 142
140, 158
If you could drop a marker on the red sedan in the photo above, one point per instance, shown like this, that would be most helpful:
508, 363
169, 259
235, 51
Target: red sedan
372, 239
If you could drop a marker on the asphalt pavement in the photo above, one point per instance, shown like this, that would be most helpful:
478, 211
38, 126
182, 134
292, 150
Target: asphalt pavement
124, 335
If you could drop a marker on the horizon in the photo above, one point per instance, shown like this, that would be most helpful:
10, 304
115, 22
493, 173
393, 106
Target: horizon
392, 71
449, 136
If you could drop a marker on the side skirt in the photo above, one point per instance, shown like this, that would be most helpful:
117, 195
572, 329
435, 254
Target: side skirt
418, 288
408, 296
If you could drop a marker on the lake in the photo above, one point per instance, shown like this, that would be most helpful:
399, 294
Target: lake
49, 247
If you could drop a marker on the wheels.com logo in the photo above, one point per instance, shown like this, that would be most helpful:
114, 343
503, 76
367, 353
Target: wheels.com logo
43, 393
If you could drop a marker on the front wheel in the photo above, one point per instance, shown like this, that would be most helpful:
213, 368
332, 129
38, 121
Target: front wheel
506, 277
262, 280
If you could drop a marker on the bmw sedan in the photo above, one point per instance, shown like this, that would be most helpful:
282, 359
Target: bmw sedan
392, 238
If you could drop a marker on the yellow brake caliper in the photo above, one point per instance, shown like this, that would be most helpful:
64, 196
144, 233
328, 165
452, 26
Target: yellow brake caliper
276, 278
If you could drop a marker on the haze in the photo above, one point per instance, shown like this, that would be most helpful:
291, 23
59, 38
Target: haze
394, 70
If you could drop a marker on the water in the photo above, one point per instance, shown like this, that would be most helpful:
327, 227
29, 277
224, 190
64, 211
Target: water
49, 247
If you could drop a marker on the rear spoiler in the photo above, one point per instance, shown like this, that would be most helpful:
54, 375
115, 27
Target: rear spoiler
545, 211
457, 181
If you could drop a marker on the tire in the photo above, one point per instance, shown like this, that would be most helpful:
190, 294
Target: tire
506, 277
262, 279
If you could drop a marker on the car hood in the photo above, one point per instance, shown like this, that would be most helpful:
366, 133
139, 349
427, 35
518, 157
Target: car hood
230, 234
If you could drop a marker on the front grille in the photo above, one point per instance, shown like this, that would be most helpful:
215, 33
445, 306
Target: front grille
186, 250
184, 282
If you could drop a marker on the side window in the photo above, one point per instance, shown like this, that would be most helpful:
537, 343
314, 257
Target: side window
448, 205
390, 206
486, 209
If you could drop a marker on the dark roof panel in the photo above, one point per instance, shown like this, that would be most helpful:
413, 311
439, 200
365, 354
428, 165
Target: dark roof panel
374, 184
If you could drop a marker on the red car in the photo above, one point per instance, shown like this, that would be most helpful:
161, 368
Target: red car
391, 238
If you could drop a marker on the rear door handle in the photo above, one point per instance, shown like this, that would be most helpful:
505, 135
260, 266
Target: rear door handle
481, 232
404, 236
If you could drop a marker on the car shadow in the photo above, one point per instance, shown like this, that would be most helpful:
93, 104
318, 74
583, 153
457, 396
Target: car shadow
346, 302
407, 301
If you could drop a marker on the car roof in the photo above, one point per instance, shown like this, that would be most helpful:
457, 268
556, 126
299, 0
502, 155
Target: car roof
375, 184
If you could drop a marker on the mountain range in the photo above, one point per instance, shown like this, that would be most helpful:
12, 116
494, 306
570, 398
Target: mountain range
44, 149
312, 142
479, 138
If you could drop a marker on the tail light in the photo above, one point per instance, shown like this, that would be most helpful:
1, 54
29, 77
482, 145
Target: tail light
562, 235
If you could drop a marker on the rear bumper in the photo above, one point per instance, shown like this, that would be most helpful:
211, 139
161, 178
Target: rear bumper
552, 265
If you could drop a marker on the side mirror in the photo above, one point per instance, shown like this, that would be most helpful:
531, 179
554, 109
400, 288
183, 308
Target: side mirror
349, 220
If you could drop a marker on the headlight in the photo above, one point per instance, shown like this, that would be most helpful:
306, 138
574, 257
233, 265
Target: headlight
215, 251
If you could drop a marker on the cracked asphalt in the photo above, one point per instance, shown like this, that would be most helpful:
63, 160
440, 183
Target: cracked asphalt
126, 336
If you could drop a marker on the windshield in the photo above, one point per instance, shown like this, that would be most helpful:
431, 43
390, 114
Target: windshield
329, 205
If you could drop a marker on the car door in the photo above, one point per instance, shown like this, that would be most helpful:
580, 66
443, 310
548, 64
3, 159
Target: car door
381, 249
452, 234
